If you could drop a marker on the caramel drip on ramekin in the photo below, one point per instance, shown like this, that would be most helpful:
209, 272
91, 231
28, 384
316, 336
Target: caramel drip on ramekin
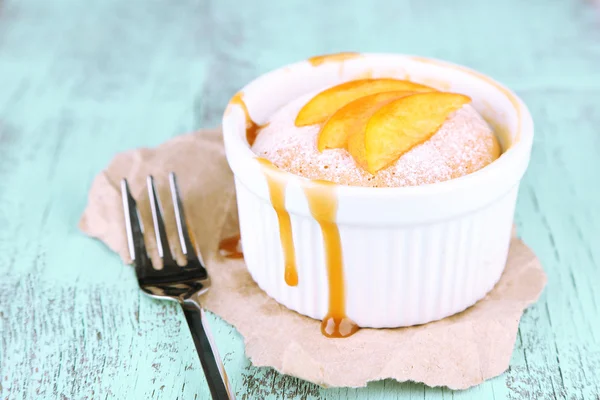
322, 201
252, 128
277, 194
230, 247
335, 57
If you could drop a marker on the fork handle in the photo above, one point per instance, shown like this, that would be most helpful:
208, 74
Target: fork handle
207, 351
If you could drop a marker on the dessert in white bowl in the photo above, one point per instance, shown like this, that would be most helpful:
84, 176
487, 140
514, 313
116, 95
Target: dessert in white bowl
398, 215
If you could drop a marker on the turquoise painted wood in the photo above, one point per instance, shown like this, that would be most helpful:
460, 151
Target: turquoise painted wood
82, 80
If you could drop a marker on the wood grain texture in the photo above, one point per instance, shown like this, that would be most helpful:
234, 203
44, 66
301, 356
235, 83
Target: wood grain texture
80, 81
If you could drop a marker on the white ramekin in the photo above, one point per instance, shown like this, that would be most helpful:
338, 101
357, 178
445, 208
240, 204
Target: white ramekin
411, 255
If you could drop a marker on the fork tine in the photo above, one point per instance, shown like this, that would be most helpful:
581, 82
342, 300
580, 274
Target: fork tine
134, 227
159, 224
185, 236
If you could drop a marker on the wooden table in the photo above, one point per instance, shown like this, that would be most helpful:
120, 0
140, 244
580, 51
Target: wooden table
82, 80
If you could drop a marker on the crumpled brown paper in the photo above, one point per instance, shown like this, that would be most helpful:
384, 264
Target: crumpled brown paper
457, 352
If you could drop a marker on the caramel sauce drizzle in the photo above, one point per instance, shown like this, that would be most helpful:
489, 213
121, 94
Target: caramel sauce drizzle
336, 57
230, 247
277, 194
252, 128
322, 201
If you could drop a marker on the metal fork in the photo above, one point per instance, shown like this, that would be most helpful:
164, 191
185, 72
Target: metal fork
174, 282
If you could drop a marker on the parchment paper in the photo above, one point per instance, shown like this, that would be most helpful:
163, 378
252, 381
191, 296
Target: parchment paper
457, 352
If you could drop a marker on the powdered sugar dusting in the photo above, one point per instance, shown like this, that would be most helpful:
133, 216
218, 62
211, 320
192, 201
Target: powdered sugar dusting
464, 144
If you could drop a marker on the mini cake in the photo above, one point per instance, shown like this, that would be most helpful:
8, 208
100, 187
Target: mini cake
332, 245
293, 138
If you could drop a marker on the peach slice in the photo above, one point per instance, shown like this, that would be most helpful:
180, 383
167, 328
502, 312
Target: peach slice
402, 124
353, 118
325, 103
